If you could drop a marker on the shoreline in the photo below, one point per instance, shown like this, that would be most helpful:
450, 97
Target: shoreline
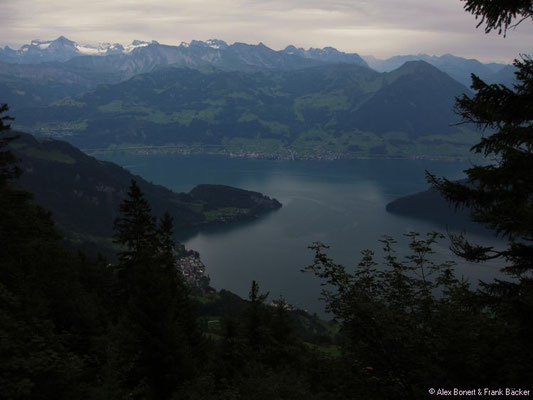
285, 155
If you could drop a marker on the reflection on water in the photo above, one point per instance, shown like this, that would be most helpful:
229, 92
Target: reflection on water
341, 203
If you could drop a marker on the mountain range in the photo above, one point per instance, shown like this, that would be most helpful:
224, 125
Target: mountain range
62, 49
142, 56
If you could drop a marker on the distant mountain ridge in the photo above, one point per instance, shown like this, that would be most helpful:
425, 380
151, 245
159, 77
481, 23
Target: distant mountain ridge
114, 62
194, 54
327, 54
458, 68
142, 56
60, 49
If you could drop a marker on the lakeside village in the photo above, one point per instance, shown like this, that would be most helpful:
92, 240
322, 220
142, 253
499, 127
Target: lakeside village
279, 154
192, 268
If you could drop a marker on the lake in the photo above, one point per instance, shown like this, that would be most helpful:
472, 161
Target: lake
341, 203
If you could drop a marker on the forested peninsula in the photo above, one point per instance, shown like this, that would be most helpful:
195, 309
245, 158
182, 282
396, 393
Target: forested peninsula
84, 193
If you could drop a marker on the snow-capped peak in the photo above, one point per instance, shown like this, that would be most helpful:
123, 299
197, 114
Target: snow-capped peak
99, 49
135, 45
41, 45
44, 44
216, 44
88, 49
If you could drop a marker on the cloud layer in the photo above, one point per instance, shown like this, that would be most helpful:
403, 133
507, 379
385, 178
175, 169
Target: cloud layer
379, 27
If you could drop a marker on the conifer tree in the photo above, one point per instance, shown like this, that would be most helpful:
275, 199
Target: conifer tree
49, 318
281, 327
136, 227
155, 339
256, 317
499, 195
176, 285
8, 168
167, 250
499, 14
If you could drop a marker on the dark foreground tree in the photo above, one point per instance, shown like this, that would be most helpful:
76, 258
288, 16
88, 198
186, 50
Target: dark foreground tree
8, 167
136, 229
500, 194
52, 318
499, 14
155, 341
408, 324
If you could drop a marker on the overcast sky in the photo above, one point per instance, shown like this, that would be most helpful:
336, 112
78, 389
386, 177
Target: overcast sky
379, 27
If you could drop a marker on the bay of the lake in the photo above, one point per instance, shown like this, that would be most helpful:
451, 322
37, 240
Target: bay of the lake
340, 203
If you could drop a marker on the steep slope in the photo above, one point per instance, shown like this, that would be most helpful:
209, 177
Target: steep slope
25, 85
416, 98
505, 76
84, 193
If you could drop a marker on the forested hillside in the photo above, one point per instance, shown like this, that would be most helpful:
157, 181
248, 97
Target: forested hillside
328, 111
84, 193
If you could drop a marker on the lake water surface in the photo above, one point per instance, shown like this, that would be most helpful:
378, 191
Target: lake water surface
340, 203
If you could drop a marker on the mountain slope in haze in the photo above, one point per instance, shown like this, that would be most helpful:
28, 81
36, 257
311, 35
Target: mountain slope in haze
26, 85
505, 76
84, 193
327, 54
417, 98
338, 108
457, 67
